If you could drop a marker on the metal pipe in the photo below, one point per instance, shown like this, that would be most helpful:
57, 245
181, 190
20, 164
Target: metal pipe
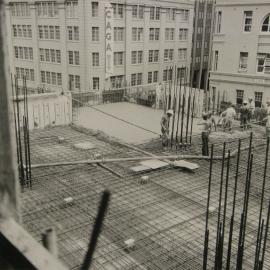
96, 230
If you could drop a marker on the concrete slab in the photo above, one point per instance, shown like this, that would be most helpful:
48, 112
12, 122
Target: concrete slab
140, 168
145, 117
186, 165
154, 164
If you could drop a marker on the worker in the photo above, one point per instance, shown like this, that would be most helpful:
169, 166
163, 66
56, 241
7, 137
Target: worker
244, 115
230, 115
251, 107
206, 128
212, 120
267, 119
165, 132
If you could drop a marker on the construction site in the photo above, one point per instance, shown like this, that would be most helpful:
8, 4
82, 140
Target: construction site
168, 209
91, 180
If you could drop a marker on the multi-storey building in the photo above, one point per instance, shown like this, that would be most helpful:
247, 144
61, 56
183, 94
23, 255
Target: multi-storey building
202, 40
241, 50
63, 45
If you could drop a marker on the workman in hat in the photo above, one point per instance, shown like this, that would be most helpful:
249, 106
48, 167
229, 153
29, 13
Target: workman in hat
244, 115
165, 131
206, 129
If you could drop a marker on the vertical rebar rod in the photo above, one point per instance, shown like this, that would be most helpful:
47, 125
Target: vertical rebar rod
262, 196
192, 118
19, 131
258, 245
220, 199
188, 115
179, 107
207, 210
265, 238
225, 203
96, 230
174, 105
233, 209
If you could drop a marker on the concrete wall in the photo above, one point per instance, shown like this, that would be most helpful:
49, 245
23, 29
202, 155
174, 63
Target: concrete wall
232, 40
46, 110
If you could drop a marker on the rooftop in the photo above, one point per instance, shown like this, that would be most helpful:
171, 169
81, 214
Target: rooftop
165, 216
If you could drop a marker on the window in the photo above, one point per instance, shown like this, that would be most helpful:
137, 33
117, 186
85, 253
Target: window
137, 12
95, 33
136, 79
170, 14
153, 56
94, 9
239, 97
155, 77
47, 9
182, 54
72, 9
136, 57
29, 74
20, 9
73, 32
49, 32
23, 52
95, 59
243, 62
266, 24
95, 83
137, 34
263, 63
154, 13
118, 58
117, 81
247, 21
181, 73
167, 74
153, 33
150, 75
50, 56
184, 15
168, 55
74, 82
258, 99
218, 29
215, 66
118, 33
74, 58
183, 34
118, 11
169, 33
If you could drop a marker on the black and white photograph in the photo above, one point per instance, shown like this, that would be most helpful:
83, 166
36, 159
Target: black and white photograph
134, 135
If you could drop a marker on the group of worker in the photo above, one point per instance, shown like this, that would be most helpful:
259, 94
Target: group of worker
226, 121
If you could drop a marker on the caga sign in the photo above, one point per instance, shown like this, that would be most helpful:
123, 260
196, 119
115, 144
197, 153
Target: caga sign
108, 40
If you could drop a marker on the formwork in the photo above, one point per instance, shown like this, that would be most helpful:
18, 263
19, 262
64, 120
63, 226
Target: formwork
165, 217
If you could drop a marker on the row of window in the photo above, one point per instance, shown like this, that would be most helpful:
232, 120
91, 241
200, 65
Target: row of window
23, 52
24, 31
54, 56
27, 73
263, 62
247, 22
54, 78
52, 32
50, 9
50, 55
240, 98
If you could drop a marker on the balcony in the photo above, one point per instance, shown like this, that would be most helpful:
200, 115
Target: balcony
218, 38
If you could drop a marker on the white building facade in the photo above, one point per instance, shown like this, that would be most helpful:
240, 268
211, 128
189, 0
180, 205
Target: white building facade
241, 51
61, 45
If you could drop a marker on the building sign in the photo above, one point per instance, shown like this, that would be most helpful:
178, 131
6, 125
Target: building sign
108, 40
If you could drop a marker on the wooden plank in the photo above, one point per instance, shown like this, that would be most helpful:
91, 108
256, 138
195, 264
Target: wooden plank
140, 168
154, 164
185, 165
25, 244
8, 173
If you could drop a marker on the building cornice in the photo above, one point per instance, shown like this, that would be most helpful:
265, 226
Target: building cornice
242, 3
